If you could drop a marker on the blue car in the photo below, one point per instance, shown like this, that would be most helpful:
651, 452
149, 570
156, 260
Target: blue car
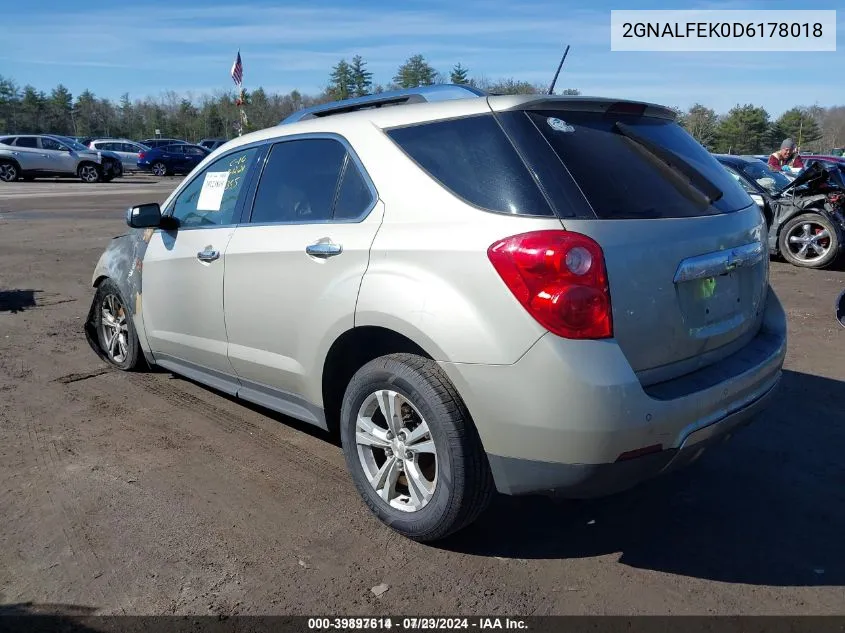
172, 159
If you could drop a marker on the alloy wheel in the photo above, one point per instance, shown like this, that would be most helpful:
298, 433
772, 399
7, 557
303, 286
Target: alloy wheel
8, 172
396, 450
808, 241
88, 173
114, 329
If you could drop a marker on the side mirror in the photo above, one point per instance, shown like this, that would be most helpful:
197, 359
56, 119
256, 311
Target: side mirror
144, 216
840, 309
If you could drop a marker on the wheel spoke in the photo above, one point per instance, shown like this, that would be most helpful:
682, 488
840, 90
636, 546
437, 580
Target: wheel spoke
369, 434
795, 239
802, 252
391, 408
113, 343
121, 341
419, 487
384, 481
425, 447
806, 231
417, 434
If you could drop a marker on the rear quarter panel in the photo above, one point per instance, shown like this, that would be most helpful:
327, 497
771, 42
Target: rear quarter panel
429, 277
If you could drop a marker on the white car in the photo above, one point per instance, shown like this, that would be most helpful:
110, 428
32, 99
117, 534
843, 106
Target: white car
126, 149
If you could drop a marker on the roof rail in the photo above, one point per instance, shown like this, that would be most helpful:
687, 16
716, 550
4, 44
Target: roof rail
422, 94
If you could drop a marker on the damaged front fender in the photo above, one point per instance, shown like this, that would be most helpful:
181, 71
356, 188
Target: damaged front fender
122, 262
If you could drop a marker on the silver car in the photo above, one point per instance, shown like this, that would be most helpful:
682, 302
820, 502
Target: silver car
30, 156
126, 149
519, 294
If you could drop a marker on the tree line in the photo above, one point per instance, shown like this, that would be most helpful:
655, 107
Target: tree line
745, 129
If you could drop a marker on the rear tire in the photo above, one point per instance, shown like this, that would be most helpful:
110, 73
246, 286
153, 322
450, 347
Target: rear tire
442, 481
810, 240
9, 171
115, 331
159, 169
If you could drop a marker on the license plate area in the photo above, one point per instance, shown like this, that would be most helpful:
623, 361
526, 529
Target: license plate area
711, 304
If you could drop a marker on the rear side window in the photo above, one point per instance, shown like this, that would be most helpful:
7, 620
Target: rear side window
26, 141
299, 182
473, 158
354, 197
621, 178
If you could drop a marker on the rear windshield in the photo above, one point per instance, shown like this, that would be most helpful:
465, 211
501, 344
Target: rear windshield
622, 178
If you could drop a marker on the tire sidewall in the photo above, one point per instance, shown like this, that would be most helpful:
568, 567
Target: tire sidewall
413, 387
835, 237
108, 287
163, 172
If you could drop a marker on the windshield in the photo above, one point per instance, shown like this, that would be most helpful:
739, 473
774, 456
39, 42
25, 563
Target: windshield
73, 144
771, 181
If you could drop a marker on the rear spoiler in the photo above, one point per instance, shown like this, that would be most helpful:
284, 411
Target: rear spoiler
581, 104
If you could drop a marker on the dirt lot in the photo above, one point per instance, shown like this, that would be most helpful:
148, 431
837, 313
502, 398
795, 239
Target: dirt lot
147, 494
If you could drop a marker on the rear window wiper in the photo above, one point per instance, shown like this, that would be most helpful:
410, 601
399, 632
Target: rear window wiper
673, 161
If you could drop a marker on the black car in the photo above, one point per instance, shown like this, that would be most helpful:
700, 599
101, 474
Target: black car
805, 216
212, 144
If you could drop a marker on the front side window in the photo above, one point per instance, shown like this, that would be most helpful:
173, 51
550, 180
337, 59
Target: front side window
212, 196
299, 182
51, 144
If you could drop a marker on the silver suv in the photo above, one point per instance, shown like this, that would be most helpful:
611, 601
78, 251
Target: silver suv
35, 156
513, 293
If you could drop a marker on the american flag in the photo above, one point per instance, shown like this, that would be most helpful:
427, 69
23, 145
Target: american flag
238, 70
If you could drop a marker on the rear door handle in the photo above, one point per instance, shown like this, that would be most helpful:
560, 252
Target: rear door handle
208, 255
324, 249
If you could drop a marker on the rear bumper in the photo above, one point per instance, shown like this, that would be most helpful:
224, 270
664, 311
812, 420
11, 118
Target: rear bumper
521, 476
562, 416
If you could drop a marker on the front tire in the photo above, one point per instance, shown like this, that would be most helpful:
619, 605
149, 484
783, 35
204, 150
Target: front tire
88, 173
114, 329
412, 449
810, 240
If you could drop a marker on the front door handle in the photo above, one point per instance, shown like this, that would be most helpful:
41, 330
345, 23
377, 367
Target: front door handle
208, 255
324, 249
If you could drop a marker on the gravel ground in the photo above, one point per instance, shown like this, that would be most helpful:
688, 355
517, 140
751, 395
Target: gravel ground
148, 494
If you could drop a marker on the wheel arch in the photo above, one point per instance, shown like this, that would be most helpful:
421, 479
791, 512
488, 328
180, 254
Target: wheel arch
350, 351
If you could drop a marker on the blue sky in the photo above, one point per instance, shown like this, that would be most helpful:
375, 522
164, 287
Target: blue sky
188, 46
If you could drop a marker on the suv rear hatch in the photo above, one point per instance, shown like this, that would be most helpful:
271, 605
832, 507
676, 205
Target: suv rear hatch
682, 241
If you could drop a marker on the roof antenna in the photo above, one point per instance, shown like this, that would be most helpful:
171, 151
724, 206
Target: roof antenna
562, 59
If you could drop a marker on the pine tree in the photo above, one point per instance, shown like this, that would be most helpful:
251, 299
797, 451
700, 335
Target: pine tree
415, 72
341, 81
459, 75
798, 125
362, 79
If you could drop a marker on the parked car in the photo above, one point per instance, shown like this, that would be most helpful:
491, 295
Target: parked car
805, 214
467, 291
212, 144
820, 158
171, 159
128, 151
154, 143
31, 156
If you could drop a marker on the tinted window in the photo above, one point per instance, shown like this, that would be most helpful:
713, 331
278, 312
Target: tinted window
473, 158
26, 141
210, 199
354, 197
299, 182
622, 178
195, 151
51, 144
7, 140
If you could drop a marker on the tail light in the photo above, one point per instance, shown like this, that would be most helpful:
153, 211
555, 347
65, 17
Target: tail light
140, 155
560, 278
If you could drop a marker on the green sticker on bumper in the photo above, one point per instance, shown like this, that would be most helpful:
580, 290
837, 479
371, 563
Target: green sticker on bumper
707, 288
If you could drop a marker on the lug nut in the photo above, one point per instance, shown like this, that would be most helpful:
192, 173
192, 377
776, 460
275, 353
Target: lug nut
409, 454
389, 435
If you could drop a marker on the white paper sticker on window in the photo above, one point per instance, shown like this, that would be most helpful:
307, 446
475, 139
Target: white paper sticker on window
212, 191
